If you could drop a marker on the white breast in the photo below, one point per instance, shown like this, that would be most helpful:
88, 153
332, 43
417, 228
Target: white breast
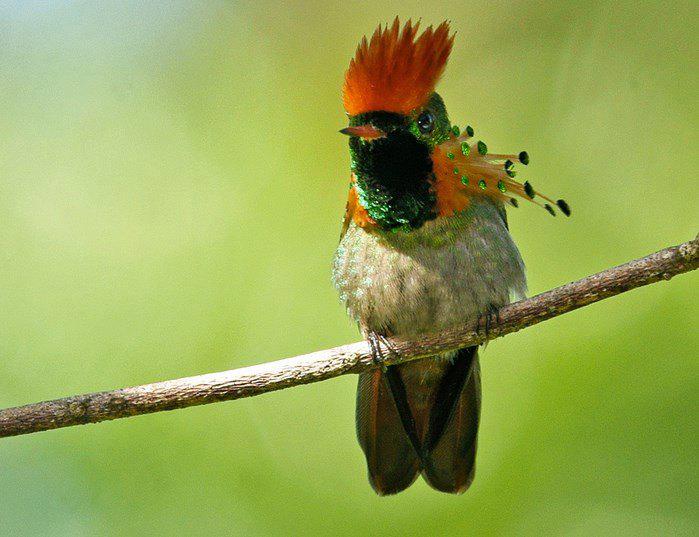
450, 270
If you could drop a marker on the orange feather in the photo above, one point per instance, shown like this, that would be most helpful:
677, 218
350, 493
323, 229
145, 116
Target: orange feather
355, 212
394, 71
462, 172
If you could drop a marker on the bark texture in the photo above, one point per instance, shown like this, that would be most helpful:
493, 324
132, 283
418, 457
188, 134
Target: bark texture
353, 358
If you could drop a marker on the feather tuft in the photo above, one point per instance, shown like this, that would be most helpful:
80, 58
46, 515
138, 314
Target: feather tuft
394, 71
487, 174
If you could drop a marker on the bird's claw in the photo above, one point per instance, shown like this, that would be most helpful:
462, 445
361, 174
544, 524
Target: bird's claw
488, 318
376, 341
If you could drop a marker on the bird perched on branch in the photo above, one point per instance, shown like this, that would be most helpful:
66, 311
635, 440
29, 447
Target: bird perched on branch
424, 246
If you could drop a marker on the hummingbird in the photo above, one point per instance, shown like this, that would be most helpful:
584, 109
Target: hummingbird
425, 246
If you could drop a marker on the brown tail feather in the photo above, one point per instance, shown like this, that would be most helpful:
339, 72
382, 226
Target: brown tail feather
392, 462
450, 459
442, 400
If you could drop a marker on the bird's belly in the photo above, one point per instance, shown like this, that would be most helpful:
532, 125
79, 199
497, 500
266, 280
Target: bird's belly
447, 272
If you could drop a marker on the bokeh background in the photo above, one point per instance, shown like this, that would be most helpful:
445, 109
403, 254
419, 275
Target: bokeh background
171, 189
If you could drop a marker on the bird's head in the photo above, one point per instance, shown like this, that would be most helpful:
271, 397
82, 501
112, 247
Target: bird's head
409, 163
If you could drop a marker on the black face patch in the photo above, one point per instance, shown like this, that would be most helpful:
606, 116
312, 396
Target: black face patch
394, 174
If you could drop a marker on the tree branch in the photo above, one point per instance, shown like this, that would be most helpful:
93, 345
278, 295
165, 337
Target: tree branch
353, 358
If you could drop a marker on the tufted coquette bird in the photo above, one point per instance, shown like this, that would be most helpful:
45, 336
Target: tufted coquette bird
424, 247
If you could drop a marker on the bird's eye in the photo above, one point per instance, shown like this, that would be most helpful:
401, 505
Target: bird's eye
425, 122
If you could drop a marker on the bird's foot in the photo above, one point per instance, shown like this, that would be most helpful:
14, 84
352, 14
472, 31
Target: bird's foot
376, 341
488, 318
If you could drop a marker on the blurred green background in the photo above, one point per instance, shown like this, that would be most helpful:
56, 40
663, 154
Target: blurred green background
171, 189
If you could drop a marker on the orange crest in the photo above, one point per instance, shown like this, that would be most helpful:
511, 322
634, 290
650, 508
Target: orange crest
394, 72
